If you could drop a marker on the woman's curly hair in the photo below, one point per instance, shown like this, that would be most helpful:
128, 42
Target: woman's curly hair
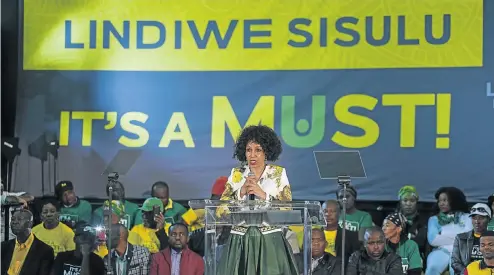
262, 135
456, 199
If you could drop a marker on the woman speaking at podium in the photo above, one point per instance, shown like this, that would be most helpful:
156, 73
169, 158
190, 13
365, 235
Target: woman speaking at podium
256, 250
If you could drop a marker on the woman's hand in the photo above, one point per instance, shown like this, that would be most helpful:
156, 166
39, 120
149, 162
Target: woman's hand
255, 189
160, 221
248, 180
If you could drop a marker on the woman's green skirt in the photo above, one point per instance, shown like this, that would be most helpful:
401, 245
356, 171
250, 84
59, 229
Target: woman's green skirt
257, 251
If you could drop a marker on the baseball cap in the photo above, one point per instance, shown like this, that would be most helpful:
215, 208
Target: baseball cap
150, 203
481, 209
219, 186
84, 228
63, 186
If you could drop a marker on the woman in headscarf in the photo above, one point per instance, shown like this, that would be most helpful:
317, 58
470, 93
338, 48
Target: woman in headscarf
416, 228
117, 216
451, 219
394, 228
253, 250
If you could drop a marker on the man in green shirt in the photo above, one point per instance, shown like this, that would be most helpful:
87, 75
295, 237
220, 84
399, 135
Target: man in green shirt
131, 209
74, 209
356, 220
396, 242
173, 210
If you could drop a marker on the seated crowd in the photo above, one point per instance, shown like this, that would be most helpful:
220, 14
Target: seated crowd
163, 237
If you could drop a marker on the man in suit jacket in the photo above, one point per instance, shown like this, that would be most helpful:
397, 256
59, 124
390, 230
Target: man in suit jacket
127, 258
25, 255
177, 258
322, 263
334, 233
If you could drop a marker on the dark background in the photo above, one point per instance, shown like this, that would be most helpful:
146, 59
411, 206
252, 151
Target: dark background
10, 69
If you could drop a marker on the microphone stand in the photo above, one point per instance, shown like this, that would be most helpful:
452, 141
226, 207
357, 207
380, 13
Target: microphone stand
55, 163
112, 178
343, 181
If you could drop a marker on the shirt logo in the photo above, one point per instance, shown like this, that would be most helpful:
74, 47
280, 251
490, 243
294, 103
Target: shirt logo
350, 225
476, 254
69, 269
404, 265
125, 221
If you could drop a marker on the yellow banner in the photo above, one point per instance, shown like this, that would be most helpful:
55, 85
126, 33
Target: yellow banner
238, 35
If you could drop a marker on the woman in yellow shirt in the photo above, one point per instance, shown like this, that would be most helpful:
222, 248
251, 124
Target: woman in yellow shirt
152, 233
51, 231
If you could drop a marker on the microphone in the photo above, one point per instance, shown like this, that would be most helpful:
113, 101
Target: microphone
251, 196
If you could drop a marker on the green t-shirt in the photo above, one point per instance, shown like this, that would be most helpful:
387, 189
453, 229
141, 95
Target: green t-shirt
129, 220
409, 252
79, 212
357, 220
174, 212
490, 226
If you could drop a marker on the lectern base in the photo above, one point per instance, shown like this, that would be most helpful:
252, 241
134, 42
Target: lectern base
257, 251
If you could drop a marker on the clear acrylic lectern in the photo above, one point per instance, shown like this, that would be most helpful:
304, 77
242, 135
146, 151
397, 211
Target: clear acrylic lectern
221, 214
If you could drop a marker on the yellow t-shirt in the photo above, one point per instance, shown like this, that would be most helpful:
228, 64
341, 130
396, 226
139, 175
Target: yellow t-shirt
19, 255
60, 238
479, 268
331, 240
147, 237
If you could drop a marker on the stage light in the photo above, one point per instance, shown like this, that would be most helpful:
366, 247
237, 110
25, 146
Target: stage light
53, 147
10, 148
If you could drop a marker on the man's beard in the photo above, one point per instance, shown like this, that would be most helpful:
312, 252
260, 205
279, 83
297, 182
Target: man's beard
26, 232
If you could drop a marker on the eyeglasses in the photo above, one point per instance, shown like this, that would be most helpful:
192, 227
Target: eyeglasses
478, 209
